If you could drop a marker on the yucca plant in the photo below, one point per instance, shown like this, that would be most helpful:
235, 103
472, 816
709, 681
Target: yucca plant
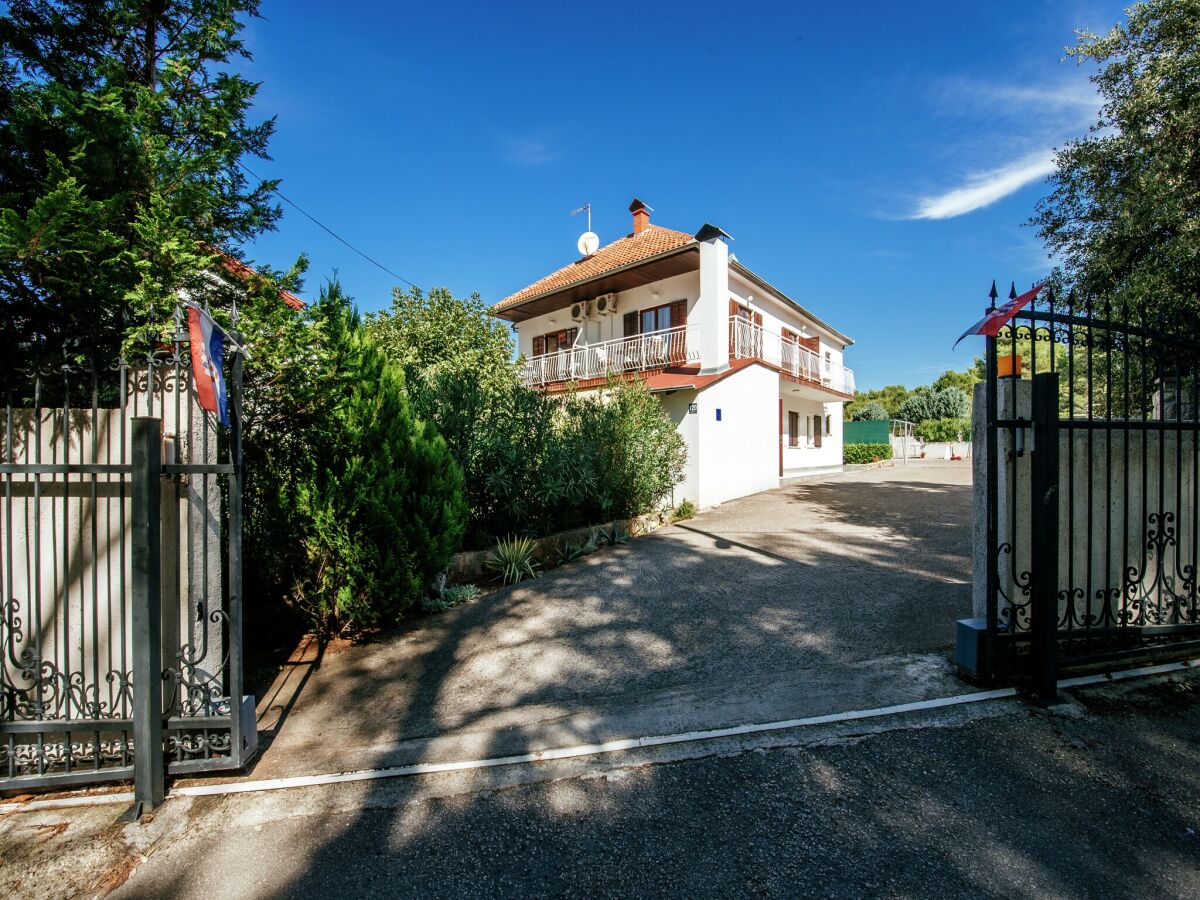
513, 560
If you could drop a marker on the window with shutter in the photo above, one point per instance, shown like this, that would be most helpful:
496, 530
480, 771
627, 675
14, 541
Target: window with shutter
793, 429
631, 324
539, 345
816, 431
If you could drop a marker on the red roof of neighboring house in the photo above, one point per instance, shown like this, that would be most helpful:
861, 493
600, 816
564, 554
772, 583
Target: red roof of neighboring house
678, 381
236, 267
651, 241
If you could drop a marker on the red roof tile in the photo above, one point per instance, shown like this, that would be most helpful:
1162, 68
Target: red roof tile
630, 249
236, 267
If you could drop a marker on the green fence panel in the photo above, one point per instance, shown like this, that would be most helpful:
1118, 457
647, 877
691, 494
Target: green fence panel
873, 432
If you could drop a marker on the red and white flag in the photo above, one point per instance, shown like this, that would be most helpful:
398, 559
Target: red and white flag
991, 324
208, 356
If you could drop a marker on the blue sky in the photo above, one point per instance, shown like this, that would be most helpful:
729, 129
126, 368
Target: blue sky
874, 160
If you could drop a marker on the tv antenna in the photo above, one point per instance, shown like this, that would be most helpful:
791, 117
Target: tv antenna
589, 241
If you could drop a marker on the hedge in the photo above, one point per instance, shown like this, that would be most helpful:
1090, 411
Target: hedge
857, 454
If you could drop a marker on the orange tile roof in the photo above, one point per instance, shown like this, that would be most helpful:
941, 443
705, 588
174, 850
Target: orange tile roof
630, 249
236, 267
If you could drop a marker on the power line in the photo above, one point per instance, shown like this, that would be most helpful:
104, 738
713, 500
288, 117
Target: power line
325, 227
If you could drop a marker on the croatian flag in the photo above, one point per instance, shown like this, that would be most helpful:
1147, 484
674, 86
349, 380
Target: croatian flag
208, 355
991, 324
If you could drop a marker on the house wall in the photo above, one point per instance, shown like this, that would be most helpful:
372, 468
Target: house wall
777, 315
807, 454
677, 406
739, 454
607, 328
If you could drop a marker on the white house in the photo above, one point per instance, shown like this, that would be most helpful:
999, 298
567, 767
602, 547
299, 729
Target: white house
754, 381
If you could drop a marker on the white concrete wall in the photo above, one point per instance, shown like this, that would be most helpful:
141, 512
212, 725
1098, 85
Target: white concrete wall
739, 454
607, 328
677, 406
808, 455
778, 314
713, 308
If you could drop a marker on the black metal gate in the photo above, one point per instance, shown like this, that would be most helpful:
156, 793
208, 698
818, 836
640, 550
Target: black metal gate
120, 631
1091, 532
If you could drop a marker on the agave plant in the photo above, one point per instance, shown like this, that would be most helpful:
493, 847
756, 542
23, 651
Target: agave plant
617, 534
513, 560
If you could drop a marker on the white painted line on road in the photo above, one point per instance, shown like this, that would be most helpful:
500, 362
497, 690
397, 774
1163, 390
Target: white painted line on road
604, 747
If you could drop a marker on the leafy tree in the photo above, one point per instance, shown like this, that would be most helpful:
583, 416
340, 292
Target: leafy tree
870, 411
964, 381
369, 499
889, 398
437, 334
934, 403
122, 134
1126, 199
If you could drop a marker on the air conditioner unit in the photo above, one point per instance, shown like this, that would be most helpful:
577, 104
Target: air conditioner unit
606, 304
581, 310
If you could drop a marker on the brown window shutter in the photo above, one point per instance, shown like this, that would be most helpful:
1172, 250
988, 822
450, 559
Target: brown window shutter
758, 319
793, 429
569, 337
812, 343
631, 324
817, 431
539, 345
789, 335
678, 313
733, 307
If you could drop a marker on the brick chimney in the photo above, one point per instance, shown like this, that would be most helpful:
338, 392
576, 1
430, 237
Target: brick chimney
641, 215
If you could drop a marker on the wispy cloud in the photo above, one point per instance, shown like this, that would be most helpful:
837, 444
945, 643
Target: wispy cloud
527, 151
985, 188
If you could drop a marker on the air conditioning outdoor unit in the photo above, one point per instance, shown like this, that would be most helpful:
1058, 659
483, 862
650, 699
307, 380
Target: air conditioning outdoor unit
581, 310
606, 304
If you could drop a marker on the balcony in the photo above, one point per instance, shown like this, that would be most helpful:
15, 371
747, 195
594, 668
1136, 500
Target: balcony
640, 353
750, 341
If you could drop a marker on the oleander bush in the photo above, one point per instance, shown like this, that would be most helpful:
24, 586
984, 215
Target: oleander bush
857, 454
944, 430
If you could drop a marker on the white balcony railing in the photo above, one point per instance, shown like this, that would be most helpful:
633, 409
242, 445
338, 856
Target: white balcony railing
750, 341
657, 350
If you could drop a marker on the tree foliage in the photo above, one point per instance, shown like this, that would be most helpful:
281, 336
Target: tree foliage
123, 131
934, 403
1125, 204
436, 334
355, 505
869, 411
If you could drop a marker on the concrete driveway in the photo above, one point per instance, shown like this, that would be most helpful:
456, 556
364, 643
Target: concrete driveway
829, 595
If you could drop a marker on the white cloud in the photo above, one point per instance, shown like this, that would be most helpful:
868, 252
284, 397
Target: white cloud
985, 188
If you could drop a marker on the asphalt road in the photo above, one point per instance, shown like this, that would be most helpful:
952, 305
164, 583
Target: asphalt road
1097, 798
832, 594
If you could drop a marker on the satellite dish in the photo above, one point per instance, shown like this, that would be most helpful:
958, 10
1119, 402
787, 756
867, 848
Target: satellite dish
589, 243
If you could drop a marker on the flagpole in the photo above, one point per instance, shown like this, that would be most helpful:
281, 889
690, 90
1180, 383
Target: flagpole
217, 325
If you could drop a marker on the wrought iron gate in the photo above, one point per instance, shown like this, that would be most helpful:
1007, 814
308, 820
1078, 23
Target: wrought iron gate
120, 631
1092, 530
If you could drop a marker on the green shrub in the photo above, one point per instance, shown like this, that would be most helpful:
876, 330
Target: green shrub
355, 506
857, 454
934, 403
532, 463
450, 597
871, 411
944, 430
684, 511
514, 560
538, 464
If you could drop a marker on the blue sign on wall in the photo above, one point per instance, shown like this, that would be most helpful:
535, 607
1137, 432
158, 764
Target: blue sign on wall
718, 414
